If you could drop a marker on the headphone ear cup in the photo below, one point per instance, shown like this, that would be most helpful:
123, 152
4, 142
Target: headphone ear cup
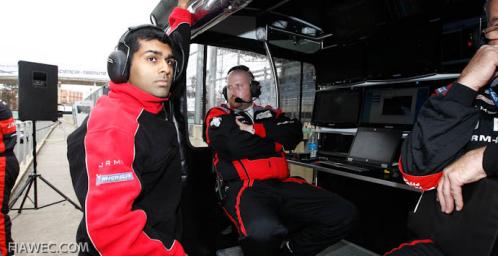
116, 67
224, 92
255, 89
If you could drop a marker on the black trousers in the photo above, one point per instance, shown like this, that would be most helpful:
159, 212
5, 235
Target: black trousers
471, 231
271, 212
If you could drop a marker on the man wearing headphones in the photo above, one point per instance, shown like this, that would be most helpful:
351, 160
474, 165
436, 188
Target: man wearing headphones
454, 143
275, 214
124, 159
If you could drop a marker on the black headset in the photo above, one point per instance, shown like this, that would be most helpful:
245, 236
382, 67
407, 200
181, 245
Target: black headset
255, 86
118, 61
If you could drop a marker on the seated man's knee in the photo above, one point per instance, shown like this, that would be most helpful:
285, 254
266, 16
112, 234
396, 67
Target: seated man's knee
349, 213
265, 230
263, 237
342, 216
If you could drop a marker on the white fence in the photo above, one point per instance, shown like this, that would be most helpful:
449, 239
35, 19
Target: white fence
82, 109
24, 147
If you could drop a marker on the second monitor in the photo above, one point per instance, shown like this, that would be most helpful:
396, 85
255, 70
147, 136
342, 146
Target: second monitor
396, 107
338, 108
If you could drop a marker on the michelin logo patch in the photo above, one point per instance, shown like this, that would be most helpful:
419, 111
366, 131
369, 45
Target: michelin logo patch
263, 115
215, 122
113, 178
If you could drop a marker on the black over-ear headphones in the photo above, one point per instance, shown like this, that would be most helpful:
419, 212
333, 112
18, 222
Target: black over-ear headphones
118, 61
255, 86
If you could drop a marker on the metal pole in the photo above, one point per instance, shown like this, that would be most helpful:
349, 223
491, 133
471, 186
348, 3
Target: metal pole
199, 91
301, 91
212, 65
34, 165
274, 71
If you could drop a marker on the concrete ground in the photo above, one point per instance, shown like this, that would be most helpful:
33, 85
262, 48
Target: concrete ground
55, 224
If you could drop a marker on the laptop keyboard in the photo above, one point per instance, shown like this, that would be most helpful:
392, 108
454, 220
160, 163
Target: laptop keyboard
346, 166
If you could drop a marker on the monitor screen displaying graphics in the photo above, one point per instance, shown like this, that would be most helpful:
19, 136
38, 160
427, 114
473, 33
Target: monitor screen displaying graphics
336, 108
397, 107
376, 146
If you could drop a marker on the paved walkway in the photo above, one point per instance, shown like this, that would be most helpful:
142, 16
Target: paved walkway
54, 225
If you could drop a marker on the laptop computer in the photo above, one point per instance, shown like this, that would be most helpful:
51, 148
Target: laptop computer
372, 148
334, 145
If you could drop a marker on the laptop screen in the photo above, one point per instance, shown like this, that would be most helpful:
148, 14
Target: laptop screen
335, 145
375, 145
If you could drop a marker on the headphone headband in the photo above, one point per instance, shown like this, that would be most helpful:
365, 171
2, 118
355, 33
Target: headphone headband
122, 39
118, 61
255, 86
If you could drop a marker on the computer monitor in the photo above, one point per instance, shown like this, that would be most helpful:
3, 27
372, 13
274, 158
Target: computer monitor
341, 64
404, 50
336, 108
376, 146
392, 107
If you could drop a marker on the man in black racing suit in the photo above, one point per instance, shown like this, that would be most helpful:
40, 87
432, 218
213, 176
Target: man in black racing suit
454, 142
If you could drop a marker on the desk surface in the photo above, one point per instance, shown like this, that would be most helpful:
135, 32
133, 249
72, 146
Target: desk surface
373, 176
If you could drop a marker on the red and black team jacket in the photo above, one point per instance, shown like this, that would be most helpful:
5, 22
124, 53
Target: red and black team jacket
9, 170
240, 155
125, 168
454, 120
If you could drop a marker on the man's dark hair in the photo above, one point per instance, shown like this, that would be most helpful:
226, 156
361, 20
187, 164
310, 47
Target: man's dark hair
147, 34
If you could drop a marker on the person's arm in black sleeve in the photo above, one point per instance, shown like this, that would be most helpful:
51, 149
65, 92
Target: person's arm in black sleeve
226, 138
468, 167
279, 128
490, 160
442, 130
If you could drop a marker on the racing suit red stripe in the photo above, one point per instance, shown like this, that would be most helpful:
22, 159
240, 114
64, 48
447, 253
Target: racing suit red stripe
241, 171
3, 234
231, 219
237, 208
412, 243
